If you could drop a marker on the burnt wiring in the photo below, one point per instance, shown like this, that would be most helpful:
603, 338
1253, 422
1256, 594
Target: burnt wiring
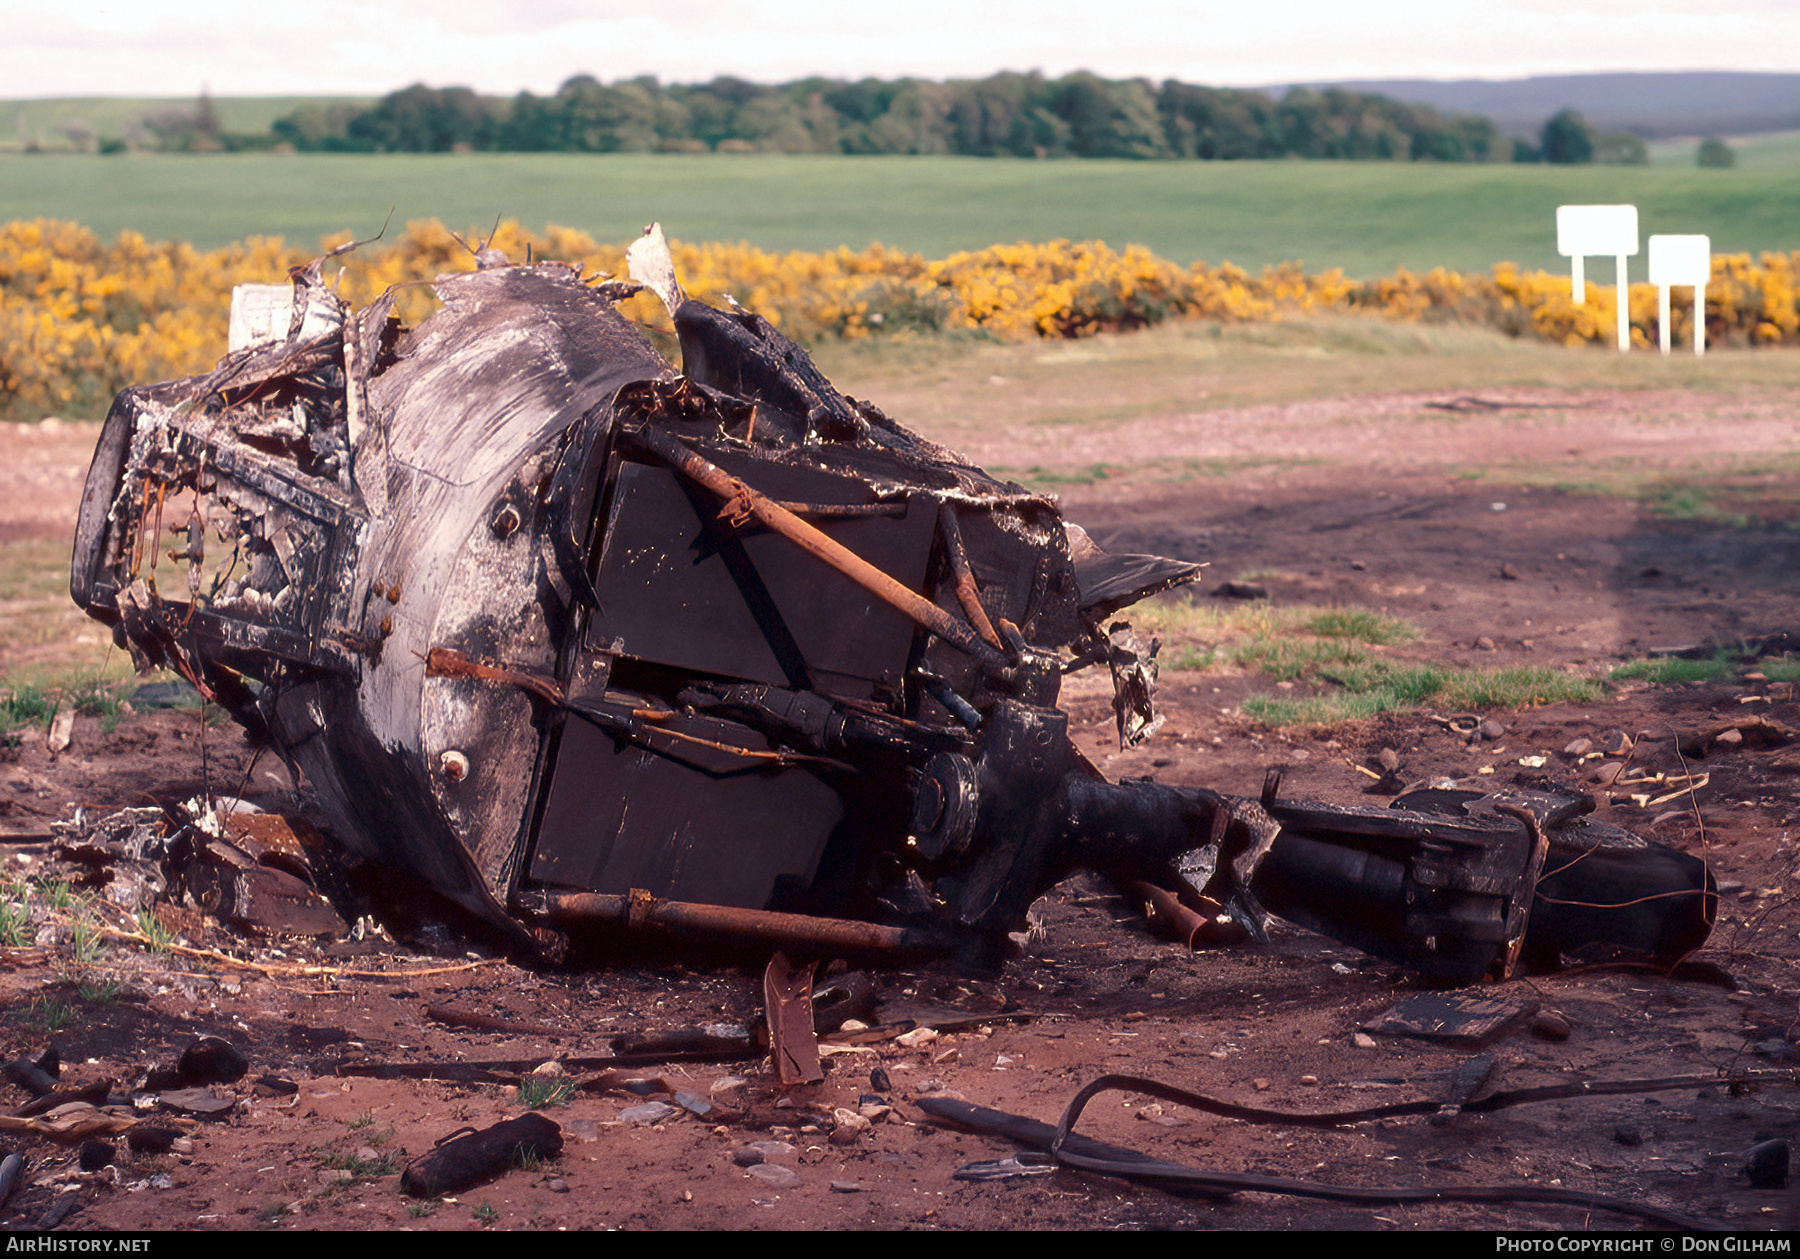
1068, 1148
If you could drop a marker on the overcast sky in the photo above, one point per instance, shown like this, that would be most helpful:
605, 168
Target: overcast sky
369, 47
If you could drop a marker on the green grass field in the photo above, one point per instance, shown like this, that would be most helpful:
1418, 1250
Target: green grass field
1365, 217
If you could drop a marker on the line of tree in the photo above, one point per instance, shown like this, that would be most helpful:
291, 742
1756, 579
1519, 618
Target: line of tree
1020, 115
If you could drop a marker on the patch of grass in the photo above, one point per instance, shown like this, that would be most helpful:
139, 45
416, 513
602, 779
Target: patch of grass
100, 990
1038, 477
1663, 670
15, 922
1362, 626
47, 1014
1785, 669
1288, 659
423, 1210
486, 1214
1379, 686
1515, 688
545, 1092
158, 938
337, 1158
1189, 658
32, 703
1693, 502
1382, 214
26, 706
87, 941
274, 1215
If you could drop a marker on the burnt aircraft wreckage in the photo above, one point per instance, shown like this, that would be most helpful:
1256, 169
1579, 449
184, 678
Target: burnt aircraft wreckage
577, 639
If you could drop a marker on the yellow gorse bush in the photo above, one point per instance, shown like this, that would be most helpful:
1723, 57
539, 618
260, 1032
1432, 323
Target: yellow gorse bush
80, 320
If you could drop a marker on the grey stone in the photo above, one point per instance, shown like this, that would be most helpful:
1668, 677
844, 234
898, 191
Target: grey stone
775, 1175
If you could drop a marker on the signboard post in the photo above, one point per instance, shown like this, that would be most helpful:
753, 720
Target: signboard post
1599, 230
1681, 260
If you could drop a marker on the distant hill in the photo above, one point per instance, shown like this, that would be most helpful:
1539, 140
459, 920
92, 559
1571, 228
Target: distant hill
1685, 103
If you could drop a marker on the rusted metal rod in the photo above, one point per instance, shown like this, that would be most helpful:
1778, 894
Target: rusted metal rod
640, 909
742, 498
967, 592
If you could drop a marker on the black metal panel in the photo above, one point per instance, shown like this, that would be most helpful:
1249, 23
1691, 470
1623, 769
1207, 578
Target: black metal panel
680, 588
695, 824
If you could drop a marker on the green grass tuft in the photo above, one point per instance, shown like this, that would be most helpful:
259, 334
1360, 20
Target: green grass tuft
1663, 670
545, 1092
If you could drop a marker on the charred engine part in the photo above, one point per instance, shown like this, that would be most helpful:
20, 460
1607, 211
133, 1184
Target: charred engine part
579, 641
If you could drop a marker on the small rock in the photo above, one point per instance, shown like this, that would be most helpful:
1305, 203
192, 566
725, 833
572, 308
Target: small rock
773, 1149
1388, 760
211, 1060
62, 729
201, 1103
1240, 590
1767, 1164
1492, 730
775, 1176
1625, 1134
1615, 743
880, 1081
557, 1184
149, 1139
1358, 566
845, 1186
747, 1156
1728, 738
1508, 573
1605, 772
1484, 643
649, 1112
1261, 1086
849, 1128
1550, 1025
1362, 1040
1578, 747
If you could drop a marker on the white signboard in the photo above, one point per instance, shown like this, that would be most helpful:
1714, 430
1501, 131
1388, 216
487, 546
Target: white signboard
1599, 230
1681, 260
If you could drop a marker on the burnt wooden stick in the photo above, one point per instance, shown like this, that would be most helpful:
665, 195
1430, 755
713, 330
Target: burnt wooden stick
454, 1017
95, 1094
464, 1161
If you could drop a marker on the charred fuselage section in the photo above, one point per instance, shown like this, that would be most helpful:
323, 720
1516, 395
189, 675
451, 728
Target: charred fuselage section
575, 639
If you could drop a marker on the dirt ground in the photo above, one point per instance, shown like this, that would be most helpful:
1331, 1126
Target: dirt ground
1494, 571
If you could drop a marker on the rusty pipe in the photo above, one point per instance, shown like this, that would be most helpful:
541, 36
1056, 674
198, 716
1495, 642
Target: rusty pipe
639, 909
742, 497
966, 590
